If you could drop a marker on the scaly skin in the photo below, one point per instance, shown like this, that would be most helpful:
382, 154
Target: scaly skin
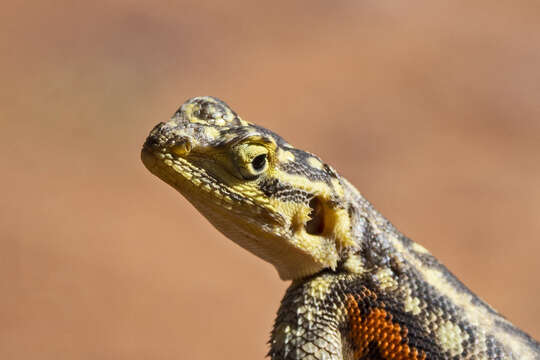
360, 289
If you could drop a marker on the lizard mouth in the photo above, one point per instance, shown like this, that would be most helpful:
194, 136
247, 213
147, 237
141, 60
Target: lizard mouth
182, 174
203, 189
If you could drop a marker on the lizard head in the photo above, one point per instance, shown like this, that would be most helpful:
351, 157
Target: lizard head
280, 203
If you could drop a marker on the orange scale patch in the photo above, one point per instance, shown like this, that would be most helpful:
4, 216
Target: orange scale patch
378, 328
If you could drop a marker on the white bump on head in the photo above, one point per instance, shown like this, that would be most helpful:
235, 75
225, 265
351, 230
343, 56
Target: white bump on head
285, 156
315, 163
212, 133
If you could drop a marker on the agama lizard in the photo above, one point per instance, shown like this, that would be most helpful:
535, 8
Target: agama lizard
360, 289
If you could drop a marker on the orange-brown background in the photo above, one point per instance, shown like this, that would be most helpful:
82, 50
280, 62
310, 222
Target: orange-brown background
430, 108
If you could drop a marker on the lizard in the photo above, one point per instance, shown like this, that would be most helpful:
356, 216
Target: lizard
359, 288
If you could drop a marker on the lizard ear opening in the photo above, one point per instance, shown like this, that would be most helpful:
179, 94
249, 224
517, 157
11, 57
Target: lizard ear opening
315, 226
329, 221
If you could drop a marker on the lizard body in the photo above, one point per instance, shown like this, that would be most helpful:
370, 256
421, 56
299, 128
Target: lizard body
360, 289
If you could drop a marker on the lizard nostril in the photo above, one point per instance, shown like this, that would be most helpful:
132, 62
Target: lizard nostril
154, 139
151, 143
182, 148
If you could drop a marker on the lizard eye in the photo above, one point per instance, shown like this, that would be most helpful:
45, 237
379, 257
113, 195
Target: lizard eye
252, 160
259, 162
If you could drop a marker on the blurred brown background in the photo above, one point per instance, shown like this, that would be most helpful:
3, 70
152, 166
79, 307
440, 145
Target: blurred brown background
431, 108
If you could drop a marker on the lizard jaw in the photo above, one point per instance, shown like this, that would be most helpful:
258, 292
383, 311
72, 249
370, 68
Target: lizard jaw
241, 224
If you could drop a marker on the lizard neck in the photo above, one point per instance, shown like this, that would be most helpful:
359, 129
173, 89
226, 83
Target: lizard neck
394, 264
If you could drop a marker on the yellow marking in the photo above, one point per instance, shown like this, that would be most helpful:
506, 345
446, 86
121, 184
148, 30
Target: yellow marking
412, 305
284, 156
211, 132
229, 136
419, 248
188, 110
302, 183
177, 168
354, 264
207, 188
342, 228
315, 163
319, 287
322, 250
338, 188
386, 279
187, 175
450, 338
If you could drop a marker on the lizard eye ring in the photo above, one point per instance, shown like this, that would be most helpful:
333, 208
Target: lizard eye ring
252, 160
